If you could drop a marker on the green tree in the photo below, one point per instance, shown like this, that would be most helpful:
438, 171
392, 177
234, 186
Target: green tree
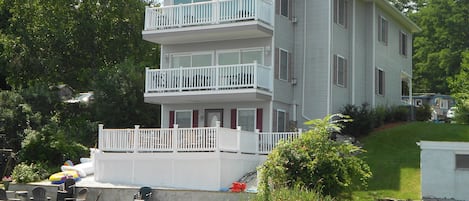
439, 46
460, 90
119, 97
68, 41
315, 162
15, 117
408, 6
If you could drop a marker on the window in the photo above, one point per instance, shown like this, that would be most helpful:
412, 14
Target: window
462, 161
183, 118
242, 56
379, 77
340, 71
191, 60
284, 8
283, 67
383, 30
281, 121
402, 43
340, 12
247, 119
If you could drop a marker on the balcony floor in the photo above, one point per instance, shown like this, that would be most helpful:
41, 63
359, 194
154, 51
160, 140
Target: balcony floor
208, 96
204, 33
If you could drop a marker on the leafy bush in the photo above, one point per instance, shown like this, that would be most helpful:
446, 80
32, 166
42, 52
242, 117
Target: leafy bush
313, 161
423, 113
379, 116
363, 121
24, 173
397, 113
50, 146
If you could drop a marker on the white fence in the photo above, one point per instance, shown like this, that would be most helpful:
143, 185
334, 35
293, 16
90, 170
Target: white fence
208, 12
209, 78
212, 139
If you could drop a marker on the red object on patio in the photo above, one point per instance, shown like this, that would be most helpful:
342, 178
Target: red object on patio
238, 187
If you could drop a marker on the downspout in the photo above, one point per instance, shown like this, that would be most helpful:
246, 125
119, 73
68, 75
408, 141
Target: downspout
304, 63
329, 45
353, 53
272, 74
373, 55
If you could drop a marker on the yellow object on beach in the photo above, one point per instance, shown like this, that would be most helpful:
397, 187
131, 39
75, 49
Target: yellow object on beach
60, 177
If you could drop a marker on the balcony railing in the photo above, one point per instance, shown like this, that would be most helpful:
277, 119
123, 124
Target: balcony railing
137, 140
223, 77
209, 12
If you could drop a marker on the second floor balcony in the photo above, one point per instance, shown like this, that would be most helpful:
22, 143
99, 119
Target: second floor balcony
209, 21
223, 83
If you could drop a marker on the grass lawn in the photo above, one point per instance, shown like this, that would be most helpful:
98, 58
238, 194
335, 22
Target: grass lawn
394, 157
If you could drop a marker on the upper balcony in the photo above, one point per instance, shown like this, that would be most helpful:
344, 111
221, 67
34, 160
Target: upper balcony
209, 21
225, 83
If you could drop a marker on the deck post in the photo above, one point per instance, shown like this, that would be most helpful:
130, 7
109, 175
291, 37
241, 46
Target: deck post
175, 137
136, 138
147, 80
238, 139
217, 136
257, 141
300, 131
100, 136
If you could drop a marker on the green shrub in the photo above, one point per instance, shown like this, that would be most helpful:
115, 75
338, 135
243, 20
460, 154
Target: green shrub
50, 147
24, 173
313, 161
423, 113
379, 115
363, 121
397, 114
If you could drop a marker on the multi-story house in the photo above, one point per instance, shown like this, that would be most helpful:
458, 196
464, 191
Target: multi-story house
274, 64
269, 65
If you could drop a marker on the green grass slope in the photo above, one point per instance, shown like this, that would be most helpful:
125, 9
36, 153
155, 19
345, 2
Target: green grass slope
394, 157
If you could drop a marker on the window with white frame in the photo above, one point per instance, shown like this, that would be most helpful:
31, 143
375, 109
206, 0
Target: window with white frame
340, 71
383, 30
281, 121
247, 119
379, 81
283, 65
340, 12
183, 118
191, 60
241, 56
402, 43
284, 8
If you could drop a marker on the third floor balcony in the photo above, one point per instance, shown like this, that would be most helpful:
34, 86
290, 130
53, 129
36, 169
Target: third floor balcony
209, 21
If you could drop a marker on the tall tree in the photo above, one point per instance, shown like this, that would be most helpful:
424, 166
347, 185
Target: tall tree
68, 41
438, 48
408, 6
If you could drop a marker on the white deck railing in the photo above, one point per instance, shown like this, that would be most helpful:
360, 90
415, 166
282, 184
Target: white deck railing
190, 140
208, 12
268, 141
209, 78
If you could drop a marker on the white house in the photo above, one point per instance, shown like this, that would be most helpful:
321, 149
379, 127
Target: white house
263, 67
